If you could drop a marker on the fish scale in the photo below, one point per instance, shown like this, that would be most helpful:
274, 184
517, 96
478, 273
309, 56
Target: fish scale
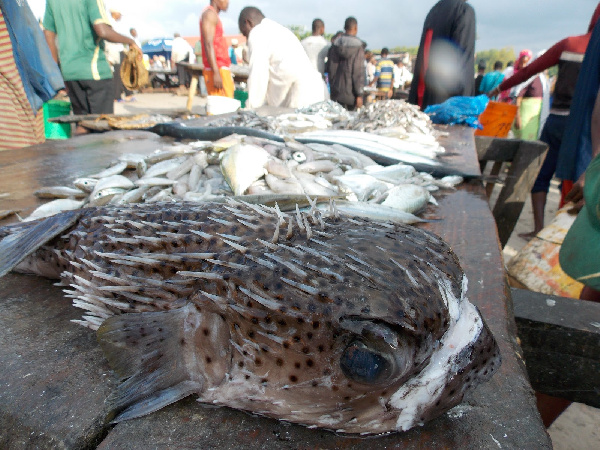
302, 316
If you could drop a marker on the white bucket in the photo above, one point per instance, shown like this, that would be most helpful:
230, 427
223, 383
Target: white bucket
221, 105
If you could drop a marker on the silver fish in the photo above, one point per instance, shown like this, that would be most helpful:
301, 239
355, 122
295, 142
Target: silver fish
408, 198
85, 184
154, 181
54, 207
60, 192
163, 167
132, 159
375, 212
351, 325
115, 169
285, 186
242, 165
102, 197
114, 181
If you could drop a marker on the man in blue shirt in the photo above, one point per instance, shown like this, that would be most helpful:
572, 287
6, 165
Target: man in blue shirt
492, 79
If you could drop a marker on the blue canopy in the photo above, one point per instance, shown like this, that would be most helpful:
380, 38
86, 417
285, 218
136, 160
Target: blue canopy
158, 46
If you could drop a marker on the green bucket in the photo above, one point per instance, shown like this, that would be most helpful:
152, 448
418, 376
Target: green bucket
242, 96
56, 108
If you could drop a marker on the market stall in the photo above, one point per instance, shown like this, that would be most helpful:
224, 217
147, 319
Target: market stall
57, 379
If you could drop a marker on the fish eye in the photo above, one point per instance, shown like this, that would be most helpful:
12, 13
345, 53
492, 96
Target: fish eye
364, 365
299, 157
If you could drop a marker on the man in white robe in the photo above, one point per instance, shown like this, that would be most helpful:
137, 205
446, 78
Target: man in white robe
316, 46
280, 72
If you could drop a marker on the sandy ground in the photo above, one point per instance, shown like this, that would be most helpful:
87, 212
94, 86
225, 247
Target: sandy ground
578, 427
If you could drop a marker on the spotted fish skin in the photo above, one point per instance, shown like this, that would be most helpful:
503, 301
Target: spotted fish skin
346, 324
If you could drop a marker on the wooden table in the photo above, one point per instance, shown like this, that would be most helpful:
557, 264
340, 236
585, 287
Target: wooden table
168, 82
240, 74
55, 380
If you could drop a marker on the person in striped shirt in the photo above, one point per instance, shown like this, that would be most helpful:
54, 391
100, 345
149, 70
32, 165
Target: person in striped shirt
28, 76
384, 74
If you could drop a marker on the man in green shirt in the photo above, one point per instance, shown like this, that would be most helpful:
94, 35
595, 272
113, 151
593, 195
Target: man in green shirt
75, 31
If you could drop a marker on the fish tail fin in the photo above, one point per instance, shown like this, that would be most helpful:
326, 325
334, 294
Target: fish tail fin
20, 241
148, 352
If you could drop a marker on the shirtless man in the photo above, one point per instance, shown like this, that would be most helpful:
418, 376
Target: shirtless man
215, 56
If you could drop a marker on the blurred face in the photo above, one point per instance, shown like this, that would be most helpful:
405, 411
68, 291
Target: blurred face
223, 5
245, 27
524, 61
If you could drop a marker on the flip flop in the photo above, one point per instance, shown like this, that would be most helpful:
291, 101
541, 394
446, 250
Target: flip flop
528, 236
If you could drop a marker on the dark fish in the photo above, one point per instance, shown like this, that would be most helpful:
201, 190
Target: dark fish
346, 324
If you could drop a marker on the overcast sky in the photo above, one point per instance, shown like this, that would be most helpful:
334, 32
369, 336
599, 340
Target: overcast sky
533, 24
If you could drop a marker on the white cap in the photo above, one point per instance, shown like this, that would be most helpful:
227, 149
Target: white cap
234, 41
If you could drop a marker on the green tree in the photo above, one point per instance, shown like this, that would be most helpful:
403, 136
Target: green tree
491, 56
300, 31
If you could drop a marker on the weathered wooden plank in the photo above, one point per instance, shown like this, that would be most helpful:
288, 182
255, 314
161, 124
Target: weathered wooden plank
560, 338
523, 171
526, 158
54, 379
500, 412
60, 162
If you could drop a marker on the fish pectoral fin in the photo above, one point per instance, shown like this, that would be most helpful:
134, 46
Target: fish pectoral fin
153, 354
155, 401
15, 247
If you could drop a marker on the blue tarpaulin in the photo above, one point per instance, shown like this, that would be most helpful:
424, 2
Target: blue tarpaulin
459, 110
158, 46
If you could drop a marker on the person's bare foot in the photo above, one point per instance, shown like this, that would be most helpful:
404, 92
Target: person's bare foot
528, 236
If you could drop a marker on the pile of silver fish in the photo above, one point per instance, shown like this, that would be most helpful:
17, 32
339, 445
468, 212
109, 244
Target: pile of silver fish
392, 115
395, 118
248, 119
240, 165
351, 325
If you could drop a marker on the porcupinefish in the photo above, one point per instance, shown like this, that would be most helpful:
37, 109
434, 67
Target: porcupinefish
346, 324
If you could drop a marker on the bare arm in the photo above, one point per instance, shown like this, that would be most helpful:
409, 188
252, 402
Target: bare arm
107, 33
208, 26
51, 40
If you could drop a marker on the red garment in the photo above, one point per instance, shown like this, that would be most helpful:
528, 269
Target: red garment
427, 48
568, 53
219, 44
566, 186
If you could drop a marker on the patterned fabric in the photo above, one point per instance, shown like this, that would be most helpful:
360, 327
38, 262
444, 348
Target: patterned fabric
18, 125
384, 74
